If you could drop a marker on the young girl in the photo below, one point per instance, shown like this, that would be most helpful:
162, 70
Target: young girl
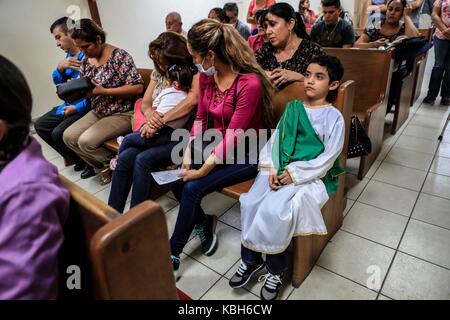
178, 82
301, 162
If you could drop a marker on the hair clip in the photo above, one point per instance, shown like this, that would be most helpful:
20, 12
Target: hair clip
172, 67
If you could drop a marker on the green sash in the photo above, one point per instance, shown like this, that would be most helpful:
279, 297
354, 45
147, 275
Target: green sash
297, 141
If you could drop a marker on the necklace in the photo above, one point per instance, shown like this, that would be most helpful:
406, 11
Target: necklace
332, 31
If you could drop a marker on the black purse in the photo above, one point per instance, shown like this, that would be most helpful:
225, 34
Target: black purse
74, 90
359, 143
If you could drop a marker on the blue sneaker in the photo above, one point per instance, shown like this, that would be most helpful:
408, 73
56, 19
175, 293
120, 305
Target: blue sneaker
206, 232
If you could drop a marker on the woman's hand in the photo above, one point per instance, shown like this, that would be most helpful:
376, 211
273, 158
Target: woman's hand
189, 175
155, 119
281, 76
407, 11
98, 91
380, 42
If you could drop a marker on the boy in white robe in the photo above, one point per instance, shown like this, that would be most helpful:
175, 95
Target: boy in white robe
299, 169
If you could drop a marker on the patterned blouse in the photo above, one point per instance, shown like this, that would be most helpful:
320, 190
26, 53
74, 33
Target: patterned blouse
299, 61
374, 34
118, 71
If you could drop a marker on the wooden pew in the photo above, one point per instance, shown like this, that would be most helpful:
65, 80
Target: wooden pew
371, 70
120, 256
307, 249
419, 69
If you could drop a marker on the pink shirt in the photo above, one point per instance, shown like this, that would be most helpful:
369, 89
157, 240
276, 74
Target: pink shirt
33, 207
247, 115
445, 16
255, 42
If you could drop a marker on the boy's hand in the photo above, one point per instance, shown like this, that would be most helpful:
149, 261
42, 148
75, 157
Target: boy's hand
285, 178
69, 110
71, 63
273, 180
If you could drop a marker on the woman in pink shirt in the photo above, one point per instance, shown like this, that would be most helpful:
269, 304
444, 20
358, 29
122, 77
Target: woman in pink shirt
234, 94
256, 41
33, 202
255, 6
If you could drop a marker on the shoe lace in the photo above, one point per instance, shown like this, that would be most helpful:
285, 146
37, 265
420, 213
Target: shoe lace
199, 230
175, 259
272, 281
242, 269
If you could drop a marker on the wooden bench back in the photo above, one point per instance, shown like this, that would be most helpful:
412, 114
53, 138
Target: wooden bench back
119, 256
371, 70
145, 74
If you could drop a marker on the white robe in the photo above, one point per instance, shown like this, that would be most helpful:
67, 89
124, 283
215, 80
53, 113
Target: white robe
271, 218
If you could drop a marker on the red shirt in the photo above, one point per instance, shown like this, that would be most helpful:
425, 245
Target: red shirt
247, 114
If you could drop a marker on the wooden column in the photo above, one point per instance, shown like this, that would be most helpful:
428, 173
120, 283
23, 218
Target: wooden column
93, 8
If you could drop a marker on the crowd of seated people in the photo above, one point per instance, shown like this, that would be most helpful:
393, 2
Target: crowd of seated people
215, 71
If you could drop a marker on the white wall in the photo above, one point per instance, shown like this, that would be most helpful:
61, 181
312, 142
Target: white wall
25, 39
131, 25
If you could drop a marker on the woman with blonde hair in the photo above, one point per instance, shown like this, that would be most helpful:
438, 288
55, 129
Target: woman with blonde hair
234, 94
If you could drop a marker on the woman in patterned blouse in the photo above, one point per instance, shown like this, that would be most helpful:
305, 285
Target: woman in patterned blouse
117, 83
287, 54
391, 28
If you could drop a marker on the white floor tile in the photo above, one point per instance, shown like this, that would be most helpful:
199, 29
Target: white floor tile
381, 297
441, 166
434, 210
444, 150
70, 174
426, 121
422, 132
228, 250
375, 224
437, 185
91, 185
417, 144
389, 197
58, 162
50, 154
400, 176
354, 258
438, 112
428, 242
233, 216
322, 284
349, 205
414, 279
217, 203
166, 203
355, 186
194, 278
409, 158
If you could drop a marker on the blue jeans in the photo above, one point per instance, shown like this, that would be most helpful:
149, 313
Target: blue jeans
275, 263
133, 169
190, 195
440, 76
134, 139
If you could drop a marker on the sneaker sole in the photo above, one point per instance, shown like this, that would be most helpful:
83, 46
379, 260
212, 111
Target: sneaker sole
249, 277
213, 247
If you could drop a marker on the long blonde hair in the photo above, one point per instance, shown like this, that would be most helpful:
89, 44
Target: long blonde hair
231, 49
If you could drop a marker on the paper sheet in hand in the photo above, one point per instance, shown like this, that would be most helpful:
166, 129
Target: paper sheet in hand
168, 176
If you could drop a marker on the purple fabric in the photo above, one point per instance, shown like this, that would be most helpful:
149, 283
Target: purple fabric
33, 207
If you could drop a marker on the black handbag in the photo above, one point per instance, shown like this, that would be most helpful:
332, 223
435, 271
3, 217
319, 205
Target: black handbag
74, 90
359, 143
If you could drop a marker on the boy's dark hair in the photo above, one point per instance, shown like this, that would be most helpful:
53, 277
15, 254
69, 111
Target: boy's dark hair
62, 23
15, 111
221, 15
231, 6
335, 71
330, 3
183, 74
87, 30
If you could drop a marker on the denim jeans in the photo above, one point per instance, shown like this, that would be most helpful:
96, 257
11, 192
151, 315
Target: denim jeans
134, 139
133, 169
275, 263
440, 76
190, 195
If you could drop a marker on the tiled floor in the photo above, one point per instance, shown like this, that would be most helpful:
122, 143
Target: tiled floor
395, 240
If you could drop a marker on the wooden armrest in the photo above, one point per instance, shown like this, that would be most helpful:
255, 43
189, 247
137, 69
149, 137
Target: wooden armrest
131, 256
